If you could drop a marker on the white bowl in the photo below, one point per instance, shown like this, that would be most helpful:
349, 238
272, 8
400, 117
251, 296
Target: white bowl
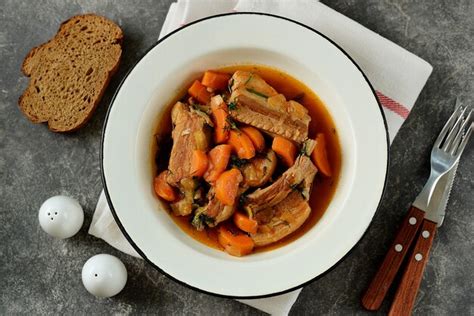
238, 39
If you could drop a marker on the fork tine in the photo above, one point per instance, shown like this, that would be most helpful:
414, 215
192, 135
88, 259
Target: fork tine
461, 132
453, 131
457, 103
447, 127
464, 141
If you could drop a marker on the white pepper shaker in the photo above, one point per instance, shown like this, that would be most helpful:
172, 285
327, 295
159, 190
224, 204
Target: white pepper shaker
104, 275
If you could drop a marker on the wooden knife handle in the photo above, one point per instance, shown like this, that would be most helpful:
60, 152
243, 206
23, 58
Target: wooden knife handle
382, 280
408, 288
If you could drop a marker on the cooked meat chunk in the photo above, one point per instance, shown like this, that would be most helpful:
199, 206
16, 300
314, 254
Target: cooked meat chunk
184, 206
259, 170
305, 186
259, 105
301, 174
217, 102
281, 220
213, 213
217, 210
251, 81
190, 132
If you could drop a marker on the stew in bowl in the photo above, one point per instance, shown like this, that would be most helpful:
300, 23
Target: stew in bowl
247, 159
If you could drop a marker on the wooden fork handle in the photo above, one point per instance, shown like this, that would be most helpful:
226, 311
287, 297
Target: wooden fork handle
408, 288
382, 280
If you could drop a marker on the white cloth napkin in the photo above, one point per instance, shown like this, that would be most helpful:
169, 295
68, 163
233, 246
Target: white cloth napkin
397, 75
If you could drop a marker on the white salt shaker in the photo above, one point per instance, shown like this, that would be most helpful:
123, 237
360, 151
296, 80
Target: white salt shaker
61, 216
104, 275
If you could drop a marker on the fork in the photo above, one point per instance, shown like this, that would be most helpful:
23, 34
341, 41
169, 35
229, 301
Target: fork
447, 149
445, 154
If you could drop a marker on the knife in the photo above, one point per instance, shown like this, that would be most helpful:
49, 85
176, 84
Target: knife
425, 215
435, 212
442, 192
378, 288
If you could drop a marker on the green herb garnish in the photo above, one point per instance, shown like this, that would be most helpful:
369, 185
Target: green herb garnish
242, 199
196, 107
304, 150
300, 188
230, 124
294, 187
248, 80
297, 186
232, 106
257, 93
201, 219
237, 162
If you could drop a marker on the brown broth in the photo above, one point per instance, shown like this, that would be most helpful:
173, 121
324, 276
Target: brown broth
321, 122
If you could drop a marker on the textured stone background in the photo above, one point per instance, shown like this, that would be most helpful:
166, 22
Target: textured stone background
41, 275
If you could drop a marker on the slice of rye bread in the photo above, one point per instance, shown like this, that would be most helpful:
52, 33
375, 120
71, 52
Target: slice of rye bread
69, 73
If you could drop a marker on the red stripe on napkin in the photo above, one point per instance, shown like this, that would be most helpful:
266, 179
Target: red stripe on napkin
393, 105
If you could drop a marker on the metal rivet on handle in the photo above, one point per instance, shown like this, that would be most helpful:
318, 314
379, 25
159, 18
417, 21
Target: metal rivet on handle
418, 257
425, 234
412, 221
398, 247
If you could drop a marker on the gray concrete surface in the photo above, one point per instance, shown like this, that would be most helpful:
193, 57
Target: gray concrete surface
41, 275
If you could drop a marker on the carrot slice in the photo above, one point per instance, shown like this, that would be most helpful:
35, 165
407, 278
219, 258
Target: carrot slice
285, 149
163, 189
255, 136
215, 80
245, 223
241, 144
221, 126
227, 186
218, 159
199, 92
199, 163
234, 243
320, 155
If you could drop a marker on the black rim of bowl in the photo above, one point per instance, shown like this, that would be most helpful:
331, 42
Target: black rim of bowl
127, 236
